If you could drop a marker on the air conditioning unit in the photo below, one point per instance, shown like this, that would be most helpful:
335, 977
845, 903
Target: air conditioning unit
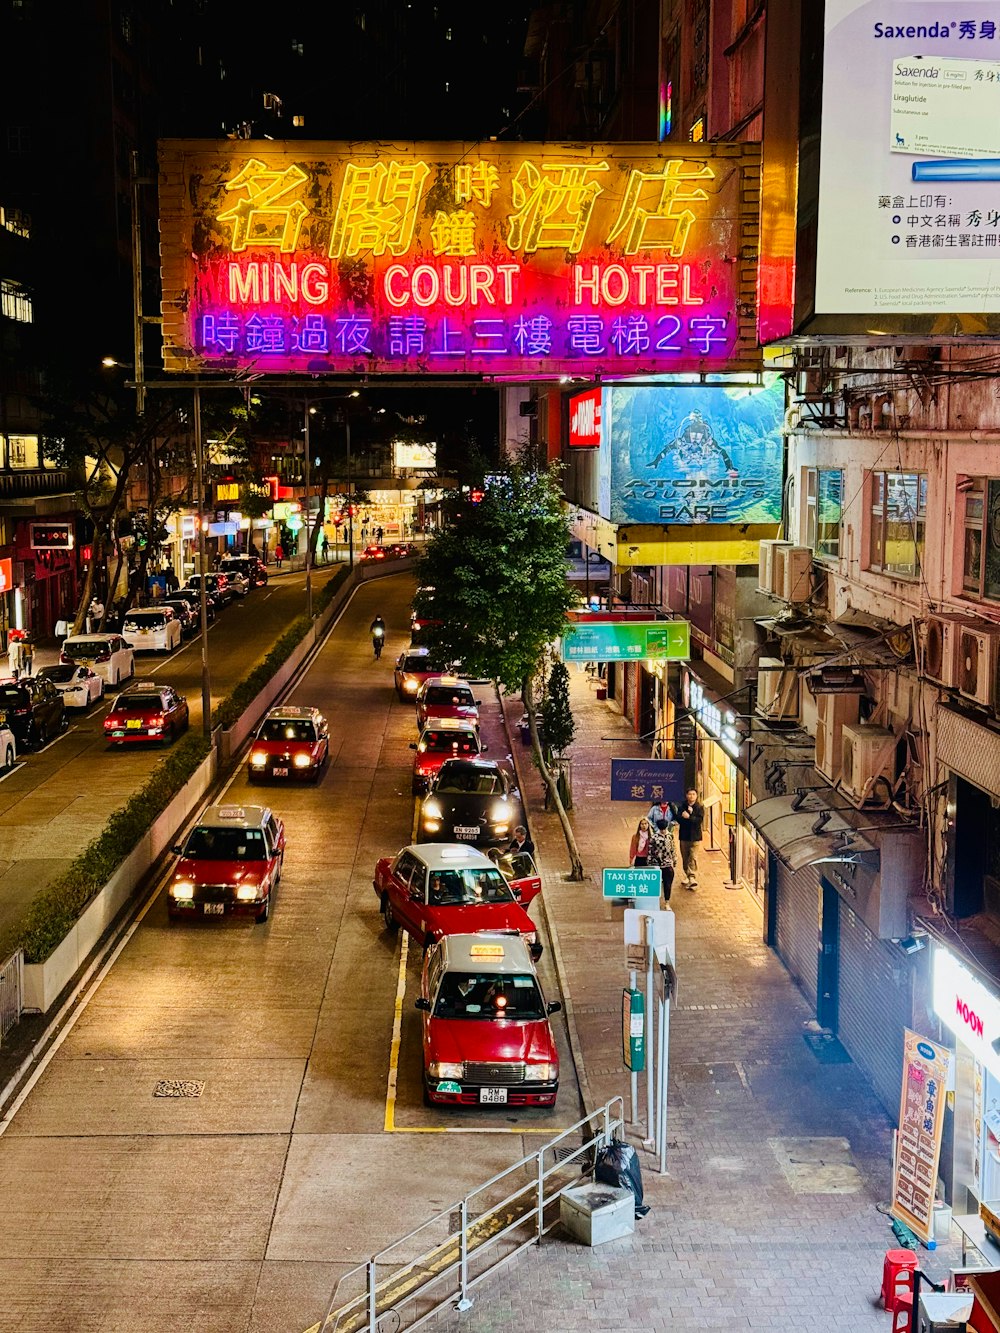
777, 690
766, 564
942, 641
832, 712
793, 573
978, 654
868, 755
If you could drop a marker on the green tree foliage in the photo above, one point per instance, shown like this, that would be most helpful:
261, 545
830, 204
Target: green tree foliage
557, 715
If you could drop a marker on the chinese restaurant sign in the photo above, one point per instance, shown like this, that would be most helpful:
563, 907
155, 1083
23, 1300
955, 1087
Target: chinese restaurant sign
660, 640
504, 259
918, 1140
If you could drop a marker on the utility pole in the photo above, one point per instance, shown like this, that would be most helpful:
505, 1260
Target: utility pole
350, 493
199, 454
309, 586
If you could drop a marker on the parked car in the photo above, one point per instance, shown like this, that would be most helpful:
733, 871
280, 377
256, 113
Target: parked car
446, 696
146, 711
186, 613
470, 800
33, 709
230, 864
400, 550
425, 616
8, 746
447, 738
193, 599
373, 553
78, 685
291, 742
448, 889
216, 584
486, 1034
250, 567
412, 668
107, 654
152, 629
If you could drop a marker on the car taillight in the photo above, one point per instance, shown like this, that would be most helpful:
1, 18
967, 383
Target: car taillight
103, 657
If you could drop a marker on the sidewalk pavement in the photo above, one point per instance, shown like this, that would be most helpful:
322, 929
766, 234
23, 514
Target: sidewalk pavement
767, 1217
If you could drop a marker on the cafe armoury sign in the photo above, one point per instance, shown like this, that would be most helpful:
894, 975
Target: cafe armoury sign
497, 259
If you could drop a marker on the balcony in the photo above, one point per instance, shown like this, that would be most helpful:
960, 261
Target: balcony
29, 483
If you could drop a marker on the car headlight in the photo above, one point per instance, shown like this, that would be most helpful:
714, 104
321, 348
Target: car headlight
542, 1073
182, 888
432, 810
258, 759
445, 1069
432, 825
303, 760
248, 893
410, 686
500, 814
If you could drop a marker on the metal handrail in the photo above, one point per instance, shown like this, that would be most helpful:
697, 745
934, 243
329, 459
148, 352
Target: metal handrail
11, 992
410, 1280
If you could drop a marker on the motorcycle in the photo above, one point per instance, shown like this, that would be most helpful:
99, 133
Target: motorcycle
378, 638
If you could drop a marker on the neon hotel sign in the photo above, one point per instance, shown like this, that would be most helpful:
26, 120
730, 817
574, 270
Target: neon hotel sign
505, 259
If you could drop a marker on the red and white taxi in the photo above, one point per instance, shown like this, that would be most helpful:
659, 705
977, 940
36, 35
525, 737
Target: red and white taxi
230, 864
446, 696
486, 1034
146, 711
291, 742
436, 889
445, 738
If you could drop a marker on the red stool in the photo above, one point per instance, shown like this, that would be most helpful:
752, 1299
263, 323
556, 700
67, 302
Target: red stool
897, 1278
902, 1314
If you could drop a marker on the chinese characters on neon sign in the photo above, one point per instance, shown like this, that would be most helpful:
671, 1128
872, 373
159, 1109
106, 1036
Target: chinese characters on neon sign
514, 259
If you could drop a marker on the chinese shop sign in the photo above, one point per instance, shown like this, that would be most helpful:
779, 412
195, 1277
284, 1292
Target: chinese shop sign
503, 259
660, 640
647, 780
918, 1140
585, 419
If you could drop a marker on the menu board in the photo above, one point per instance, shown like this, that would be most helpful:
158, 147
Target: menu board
918, 1142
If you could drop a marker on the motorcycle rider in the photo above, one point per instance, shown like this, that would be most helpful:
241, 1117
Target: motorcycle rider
377, 630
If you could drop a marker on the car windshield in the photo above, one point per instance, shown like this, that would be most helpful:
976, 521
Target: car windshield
487, 995
211, 843
153, 621
86, 647
137, 703
440, 694
282, 729
476, 782
417, 662
454, 888
448, 742
59, 675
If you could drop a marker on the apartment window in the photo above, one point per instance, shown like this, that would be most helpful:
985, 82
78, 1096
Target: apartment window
15, 220
898, 520
22, 451
981, 552
15, 303
824, 509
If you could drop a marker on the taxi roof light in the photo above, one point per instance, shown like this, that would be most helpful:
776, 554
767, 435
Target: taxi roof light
232, 812
456, 853
487, 951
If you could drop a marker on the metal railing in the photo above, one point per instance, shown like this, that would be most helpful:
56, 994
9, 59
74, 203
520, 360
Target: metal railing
11, 992
444, 1258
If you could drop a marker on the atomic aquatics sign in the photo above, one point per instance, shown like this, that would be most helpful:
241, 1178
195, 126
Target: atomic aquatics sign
497, 259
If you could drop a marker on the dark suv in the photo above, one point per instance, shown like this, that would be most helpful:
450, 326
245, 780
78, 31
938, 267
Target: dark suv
35, 710
250, 566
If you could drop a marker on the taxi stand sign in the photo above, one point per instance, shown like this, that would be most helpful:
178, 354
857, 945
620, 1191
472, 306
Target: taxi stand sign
633, 882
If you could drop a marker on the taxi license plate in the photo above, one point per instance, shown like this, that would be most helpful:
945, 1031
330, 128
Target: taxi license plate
133, 723
466, 830
218, 909
280, 772
492, 1094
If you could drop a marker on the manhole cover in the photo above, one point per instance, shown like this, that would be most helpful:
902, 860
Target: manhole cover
177, 1087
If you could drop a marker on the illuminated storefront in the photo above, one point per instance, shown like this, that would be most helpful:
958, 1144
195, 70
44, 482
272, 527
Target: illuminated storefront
720, 768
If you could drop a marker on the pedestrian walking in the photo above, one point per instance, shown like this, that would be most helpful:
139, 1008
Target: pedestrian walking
638, 852
326, 549
378, 536
663, 853
690, 819
279, 554
661, 815
14, 659
27, 655
364, 533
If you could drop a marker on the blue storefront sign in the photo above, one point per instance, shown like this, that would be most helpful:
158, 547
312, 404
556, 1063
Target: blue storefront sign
647, 780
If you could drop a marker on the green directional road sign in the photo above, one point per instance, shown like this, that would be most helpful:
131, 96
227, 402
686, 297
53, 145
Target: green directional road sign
633, 882
627, 641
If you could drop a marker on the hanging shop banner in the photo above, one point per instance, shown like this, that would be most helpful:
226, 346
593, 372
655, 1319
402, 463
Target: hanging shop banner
909, 177
452, 258
918, 1140
657, 640
585, 420
647, 780
694, 454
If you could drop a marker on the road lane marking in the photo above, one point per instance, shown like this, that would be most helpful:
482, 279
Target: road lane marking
18, 763
389, 1124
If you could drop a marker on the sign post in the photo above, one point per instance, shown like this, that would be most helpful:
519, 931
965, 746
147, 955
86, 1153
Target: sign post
654, 932
633, 1046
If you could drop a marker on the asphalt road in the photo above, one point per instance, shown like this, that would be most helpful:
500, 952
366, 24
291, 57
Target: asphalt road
302, 1145
58, 799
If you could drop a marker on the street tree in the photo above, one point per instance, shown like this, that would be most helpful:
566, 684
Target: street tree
499, 565
558, 725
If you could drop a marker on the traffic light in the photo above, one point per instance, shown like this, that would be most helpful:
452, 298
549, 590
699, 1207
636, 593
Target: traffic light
476, 497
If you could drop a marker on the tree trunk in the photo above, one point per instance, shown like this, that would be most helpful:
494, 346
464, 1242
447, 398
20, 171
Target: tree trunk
87, 593
315, 531
551, 784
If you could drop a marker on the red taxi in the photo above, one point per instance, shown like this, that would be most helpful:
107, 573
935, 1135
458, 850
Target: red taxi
412, 668
435, 889
230, 864
445, 738
146, 711
371, 553
291, 742
446, 696
486, 1034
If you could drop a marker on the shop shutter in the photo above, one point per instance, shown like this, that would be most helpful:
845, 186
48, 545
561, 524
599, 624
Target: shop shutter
874, 1006
797, 925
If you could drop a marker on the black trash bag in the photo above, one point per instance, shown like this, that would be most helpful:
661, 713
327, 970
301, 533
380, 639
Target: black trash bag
618, 1165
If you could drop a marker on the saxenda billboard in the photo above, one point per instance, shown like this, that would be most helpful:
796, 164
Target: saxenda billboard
909, 178
691, 455
505, 259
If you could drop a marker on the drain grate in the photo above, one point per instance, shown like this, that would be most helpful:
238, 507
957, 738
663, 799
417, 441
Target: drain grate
177, 1087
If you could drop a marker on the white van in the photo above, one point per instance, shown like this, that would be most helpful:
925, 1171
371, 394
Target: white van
152, 629
108, 655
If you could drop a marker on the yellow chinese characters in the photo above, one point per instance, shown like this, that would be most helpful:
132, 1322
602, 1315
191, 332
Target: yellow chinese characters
653, 214
553, 205
454, 233
377, 209
476, 182
265, 216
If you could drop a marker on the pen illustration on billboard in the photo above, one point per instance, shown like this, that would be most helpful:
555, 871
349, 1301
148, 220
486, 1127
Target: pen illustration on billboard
705, 454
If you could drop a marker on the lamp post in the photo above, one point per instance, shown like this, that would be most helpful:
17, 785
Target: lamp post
199, 457
308, 475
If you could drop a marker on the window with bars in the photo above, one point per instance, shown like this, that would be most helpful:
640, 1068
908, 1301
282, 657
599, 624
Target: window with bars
15, 303
898, 522
981, 538
824, 511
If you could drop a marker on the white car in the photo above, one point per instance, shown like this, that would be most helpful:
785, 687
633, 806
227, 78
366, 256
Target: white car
108, 655
8, 747
78, 685
152, 629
